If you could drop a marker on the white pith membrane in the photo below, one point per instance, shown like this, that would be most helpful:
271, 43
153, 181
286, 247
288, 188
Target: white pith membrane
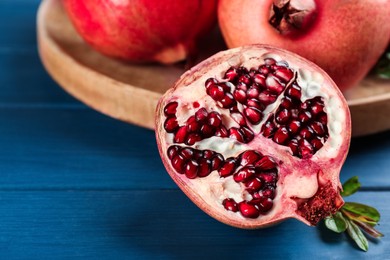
298, 179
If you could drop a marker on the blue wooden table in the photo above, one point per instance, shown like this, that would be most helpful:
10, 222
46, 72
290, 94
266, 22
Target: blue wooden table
78, 184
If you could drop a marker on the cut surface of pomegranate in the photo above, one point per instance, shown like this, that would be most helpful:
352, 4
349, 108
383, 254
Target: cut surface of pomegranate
255, 135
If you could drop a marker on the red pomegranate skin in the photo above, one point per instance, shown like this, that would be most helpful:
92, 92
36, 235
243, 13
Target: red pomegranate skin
345, 38
165, 31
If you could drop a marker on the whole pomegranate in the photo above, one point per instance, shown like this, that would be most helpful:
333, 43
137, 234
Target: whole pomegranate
165, 31
255, 135
345, 38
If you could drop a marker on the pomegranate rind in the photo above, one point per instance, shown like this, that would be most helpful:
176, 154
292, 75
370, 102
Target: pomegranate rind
299, 178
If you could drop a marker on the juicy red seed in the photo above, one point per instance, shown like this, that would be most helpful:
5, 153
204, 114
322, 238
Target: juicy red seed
268, 129
253, 92
263, 69
249, 157
294, 126
242, 70
216, 161
253, 185
269, 193
316, 109
255, 103
259, 79
178, 163
208, 154
265, 205
273, 85
265, 163
305, 149
284, 74
228, 167
294, 92
244, 175
209, 82
171, 125
245, 79
286, 102
228, 100
242, 86
193, 126
269, 61
323, 119
225, 86
187, 153
248, 134
267, 178
253, 115
172, 151
304, 116
198, 154
240, 95
238, 118
283, 116
214, 119
170, 109
267, 98
237, 134
191, 169
231, 74
180, 135
281, 135
201, 114
316, 143
193, 138
195, 104
248, 210
318, 128
207, 131
222, 132
306, 133
216, 92
204, 168
293, 144
230, 204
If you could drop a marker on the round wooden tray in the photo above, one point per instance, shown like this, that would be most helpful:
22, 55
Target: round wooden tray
130, 92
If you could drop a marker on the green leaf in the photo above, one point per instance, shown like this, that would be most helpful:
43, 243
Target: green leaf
336, 223
368, 229
357, 235
356, 217
350, 186
363, 210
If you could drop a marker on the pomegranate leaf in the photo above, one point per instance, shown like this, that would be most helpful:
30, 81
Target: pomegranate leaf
360, 218
350, 186
357, 235
370, 230
362, 210
336, 223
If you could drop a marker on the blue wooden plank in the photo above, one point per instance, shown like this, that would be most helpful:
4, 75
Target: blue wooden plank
158, 225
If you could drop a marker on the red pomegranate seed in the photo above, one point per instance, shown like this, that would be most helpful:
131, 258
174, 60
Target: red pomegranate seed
305, 149
273, 85
180, 135
306, 133
216, 161
265, 205
208, 154
244, 175
231, 74
248, 210
255, 103
248, 134
237, 134
192, 124
323, 118
283, 116
195, 104
214, 119
227, 101
207, 131
253, 185
304, 116
269, 193
240, 95
268, 129
191, 169
209, 82
281, 135
238, 118
268, 178
284, 74
178, 163
228, 167
249, 157
230, 204
187, 153
253, 92
172, 151
222, 132
245, 79
269, 61
259, 79
201, 114
265, 163
204, 167
170, 109
216, 92
293, 144
192, 139
294, 126
286, 102
318, 128
294, 92
253, 115
317, 108
316, 143
263, 69
266, 98
171, 125
225, 86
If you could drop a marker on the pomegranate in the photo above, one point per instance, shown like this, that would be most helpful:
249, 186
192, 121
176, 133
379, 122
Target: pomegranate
143, 31
345, 38
255, 135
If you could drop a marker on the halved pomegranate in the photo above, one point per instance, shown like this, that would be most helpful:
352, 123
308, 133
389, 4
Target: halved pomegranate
255, 135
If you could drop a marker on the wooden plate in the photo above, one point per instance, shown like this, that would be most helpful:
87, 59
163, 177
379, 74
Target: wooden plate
130, 92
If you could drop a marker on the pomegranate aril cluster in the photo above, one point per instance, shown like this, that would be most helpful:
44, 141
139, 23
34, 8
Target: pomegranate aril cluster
302, 126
